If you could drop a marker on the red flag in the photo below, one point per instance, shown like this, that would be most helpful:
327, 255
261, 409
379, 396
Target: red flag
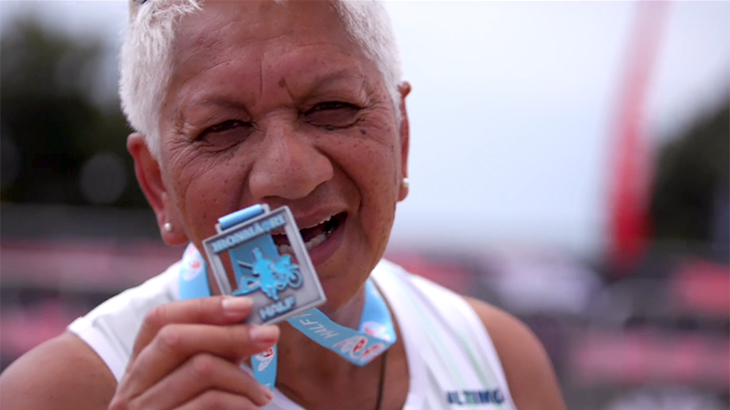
629, 196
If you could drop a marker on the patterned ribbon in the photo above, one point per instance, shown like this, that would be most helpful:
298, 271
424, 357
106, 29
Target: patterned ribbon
375, 335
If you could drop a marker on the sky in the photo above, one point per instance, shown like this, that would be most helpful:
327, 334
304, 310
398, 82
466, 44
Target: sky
513, 108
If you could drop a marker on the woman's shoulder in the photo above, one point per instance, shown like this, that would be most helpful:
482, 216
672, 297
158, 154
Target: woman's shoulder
528, 369
503, 340
80, 368
111, 328
427, 296
62, 373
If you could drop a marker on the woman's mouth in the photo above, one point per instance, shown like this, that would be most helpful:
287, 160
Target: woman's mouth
312, 236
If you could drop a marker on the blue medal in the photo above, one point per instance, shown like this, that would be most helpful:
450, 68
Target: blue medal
281, 287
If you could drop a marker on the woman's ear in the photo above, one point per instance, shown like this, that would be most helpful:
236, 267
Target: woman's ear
149, 176
404, 132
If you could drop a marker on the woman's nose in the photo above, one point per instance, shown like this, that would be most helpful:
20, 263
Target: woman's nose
288, 166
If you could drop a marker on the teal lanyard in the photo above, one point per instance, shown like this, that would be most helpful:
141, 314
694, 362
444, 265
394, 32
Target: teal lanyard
376, 331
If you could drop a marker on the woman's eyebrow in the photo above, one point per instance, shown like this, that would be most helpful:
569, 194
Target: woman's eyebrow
304, 89
342, 74
219, 102
319, 84
332, 78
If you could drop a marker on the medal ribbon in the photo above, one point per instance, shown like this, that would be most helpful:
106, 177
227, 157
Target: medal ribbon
376, 331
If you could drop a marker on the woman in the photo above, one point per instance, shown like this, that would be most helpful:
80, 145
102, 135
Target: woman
282, 103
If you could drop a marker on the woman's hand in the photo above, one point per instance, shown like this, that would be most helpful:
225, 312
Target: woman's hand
187, 356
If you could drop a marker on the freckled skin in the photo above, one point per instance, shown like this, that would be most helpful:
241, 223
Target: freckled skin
272, 73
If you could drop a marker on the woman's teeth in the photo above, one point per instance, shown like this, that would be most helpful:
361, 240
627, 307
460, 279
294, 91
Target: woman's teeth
323, 231
316, 241
320, 222
285, 249
310, 244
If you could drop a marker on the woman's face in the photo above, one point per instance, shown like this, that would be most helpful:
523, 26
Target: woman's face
274, 103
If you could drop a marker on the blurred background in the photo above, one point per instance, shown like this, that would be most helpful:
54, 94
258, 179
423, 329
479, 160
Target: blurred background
569, 163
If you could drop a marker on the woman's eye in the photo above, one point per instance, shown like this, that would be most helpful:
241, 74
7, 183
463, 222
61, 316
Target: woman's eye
332, 114
227, 125
226, 133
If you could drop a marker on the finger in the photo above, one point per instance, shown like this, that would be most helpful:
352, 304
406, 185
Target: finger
219, 400
215, 310
200, 373
174, 344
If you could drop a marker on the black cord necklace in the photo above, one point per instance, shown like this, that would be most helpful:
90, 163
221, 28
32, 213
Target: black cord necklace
381, 387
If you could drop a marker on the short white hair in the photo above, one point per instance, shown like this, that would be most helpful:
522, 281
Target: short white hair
146, 61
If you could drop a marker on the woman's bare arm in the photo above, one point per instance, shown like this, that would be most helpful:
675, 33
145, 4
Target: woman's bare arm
529, 373
62, 373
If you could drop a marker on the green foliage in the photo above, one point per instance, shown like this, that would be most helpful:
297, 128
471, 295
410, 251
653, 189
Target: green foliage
691, 178
51, 123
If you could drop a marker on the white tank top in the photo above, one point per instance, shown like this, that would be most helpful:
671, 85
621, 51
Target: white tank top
452, 362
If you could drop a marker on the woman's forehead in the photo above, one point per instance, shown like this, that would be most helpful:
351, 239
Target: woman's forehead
260, 42
224, 29
250, 21
264, 59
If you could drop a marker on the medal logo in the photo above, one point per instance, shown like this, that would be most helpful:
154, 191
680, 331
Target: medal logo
268, 275
280, 285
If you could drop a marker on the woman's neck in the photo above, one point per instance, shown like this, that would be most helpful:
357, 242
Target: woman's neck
307, 370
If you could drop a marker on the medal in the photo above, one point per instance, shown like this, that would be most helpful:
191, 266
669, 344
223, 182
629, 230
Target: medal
246, 262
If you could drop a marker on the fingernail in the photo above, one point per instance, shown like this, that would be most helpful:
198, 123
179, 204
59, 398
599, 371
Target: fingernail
268, 394
236, 305
263, 334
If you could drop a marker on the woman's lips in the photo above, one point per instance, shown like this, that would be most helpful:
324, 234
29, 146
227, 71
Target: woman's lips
313, 237
322, 252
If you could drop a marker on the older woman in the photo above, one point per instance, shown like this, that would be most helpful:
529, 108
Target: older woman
281, 103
